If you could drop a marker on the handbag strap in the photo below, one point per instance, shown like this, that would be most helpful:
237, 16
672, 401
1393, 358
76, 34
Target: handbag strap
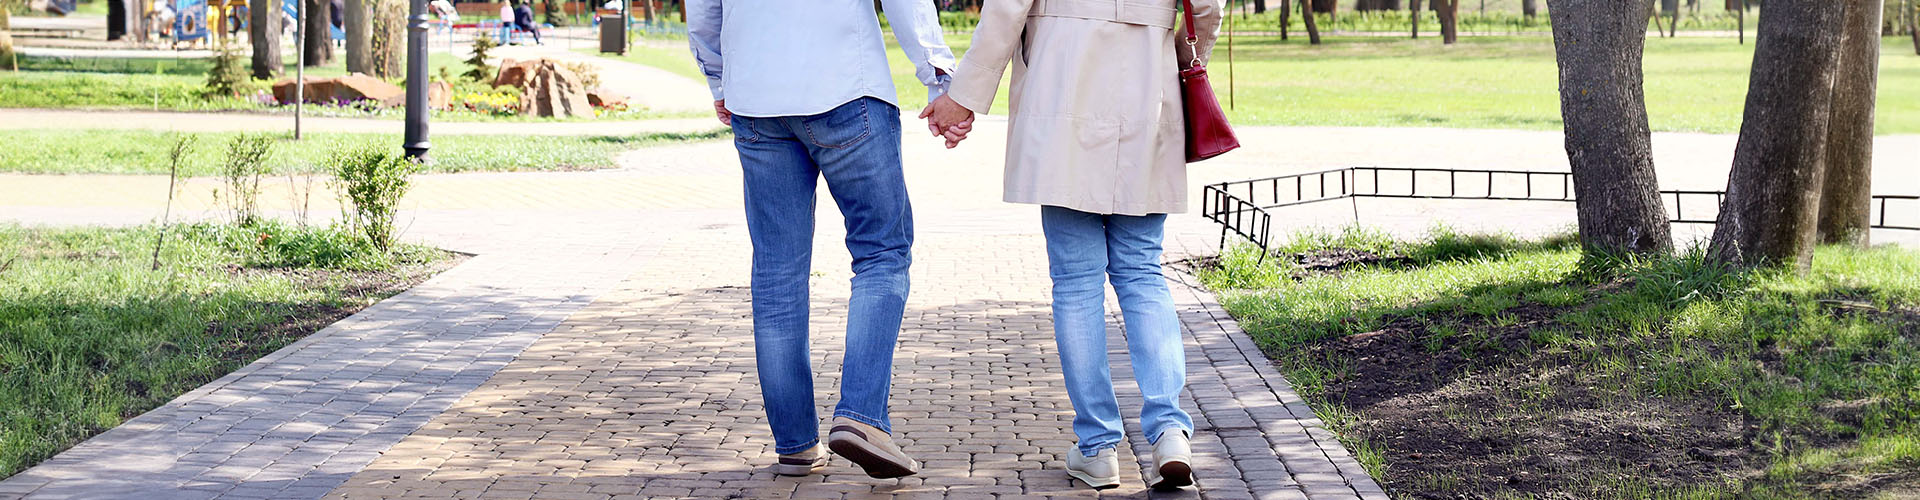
1193, 40
1187, 11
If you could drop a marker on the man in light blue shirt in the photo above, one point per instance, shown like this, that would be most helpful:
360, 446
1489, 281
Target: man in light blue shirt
805, 85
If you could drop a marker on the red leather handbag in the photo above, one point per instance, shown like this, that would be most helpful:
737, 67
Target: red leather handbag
1208, 133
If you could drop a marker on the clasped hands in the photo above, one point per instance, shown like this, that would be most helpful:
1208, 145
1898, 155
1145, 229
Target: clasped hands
948, 120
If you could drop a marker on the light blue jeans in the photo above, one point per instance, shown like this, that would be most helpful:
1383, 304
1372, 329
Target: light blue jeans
1084, 252
856, 148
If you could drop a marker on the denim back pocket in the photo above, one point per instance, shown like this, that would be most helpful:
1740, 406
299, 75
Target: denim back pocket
843, 126
744, 129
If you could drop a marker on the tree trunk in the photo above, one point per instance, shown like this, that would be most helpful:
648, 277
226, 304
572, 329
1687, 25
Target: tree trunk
646, 10
359, 32
263, 31
1846, 198
1376, 5
1773, 192
1313, 28
1599, 45
318, 33
389, 19
1330, 7
1286, 18
1259, 6
1913, 27
1414, 12
1530, 8
8, 60
1449, 12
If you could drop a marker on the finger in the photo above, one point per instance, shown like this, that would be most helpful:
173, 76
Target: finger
926, 112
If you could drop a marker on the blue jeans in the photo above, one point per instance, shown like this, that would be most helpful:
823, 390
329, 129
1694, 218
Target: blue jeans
856, 147
1084, 251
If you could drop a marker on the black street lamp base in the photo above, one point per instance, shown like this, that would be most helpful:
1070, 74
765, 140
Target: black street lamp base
417, 152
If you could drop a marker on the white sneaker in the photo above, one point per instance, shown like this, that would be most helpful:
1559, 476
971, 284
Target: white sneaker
1172, 462
802, 463
874, 451
1100, 471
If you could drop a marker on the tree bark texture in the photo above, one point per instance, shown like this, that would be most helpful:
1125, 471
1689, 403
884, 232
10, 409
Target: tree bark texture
1773, 192
1376, 5
1846, 196
1598, 45
1414, 12
263, 30
1913, 27
1313, 27
318, 32
359, 28
1286, 15
389, 45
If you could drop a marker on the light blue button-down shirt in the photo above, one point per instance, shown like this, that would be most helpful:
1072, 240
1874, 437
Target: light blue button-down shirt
806, 57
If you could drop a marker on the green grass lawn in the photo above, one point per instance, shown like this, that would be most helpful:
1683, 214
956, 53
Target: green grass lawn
179, 84
1692, 84
91, 335
1464, 366
145, 152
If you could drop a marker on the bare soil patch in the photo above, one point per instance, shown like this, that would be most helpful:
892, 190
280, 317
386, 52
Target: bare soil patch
1481, 412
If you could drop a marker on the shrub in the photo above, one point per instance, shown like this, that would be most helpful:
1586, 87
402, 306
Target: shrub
588, 73
556, 13
479, 70
247, 158
228, 76
7, 60
493, 102
371, 182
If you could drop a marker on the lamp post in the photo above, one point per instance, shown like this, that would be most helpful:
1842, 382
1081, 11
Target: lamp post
416, 140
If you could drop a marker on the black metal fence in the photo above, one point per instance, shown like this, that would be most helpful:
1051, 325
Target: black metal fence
1245, 208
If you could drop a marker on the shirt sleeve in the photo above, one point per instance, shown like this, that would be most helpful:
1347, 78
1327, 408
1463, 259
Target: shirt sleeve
994, 41
703, 33
917, 26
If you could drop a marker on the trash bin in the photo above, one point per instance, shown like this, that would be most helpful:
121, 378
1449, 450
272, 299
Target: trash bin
613, 35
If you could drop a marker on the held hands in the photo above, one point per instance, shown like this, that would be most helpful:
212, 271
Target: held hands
949, 120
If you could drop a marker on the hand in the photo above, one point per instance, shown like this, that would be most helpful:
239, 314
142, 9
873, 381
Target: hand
945, 117
720, 110
957, 133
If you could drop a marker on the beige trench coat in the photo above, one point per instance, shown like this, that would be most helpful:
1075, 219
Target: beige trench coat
1096, 122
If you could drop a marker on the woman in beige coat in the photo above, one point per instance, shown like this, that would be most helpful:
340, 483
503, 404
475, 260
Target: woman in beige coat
1097, 139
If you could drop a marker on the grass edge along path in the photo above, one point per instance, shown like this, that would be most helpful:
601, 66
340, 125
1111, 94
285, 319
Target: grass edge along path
91, 335
1491, 367
1500, 82
144, 152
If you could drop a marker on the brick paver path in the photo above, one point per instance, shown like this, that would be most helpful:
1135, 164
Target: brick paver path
599, 344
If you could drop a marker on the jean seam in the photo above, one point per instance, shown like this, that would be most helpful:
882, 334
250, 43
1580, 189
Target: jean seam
1154, 438
856, 416
866, 129
1096, 448
789, 451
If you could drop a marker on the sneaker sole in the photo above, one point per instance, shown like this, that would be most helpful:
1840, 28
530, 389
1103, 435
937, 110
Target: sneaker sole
1174, 475
1098, 483
798, 470
851, 444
